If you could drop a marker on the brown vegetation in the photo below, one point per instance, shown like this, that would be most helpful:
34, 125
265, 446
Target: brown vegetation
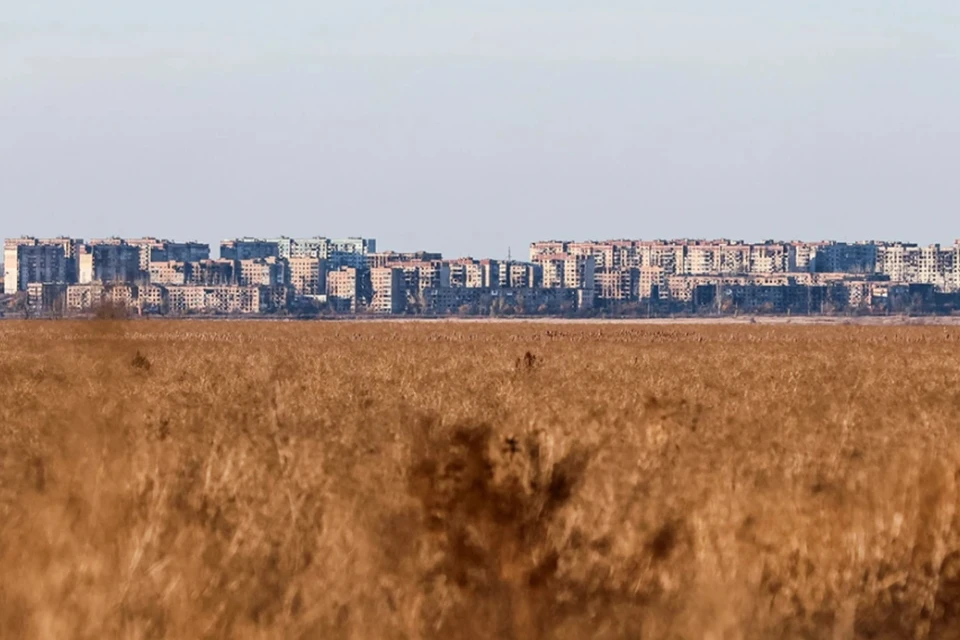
335, 480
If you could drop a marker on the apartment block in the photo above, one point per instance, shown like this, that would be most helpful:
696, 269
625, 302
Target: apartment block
844, 257
388, 258
387, 287
265, 272
540, 250
46, 298
30, 260
566, 271
770, 257
346, 289
214, 273
466, 273
89, 297
170, 272
224, 299
651, 283
617, 284
520, 275
350, 252
602, 253
421, 275
110, 260
307, 276
249, 249
553, 270
157, 250
152, 298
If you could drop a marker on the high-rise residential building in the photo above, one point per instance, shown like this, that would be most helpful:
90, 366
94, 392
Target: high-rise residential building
223, 299
547, 248
265, 272
617, 284
213, 273
344, 252
386, 284
956, 266
769, 257
350, 251
565, 271
307, 276
157, 250
521, 275
346, 288
387, 258
553, 270
110, 260
290, 248
249, 249
29, 260
171, 272
45, 298
602, 252
651, 283
87, 297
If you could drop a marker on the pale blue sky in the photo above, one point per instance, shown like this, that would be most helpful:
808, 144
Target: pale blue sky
481, 125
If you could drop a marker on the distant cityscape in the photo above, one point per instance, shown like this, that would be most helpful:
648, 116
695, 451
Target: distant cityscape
318, 276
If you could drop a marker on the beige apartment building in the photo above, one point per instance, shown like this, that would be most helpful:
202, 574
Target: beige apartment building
308, 276
564, 271
651, 283
388, 294
617, 284
89, 297
170, 272
224, 299
262, 272
345, 288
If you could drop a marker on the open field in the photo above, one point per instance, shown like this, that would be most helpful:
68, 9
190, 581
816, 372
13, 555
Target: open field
467, 480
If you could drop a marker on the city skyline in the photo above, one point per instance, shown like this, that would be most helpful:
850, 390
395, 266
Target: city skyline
313, 275
516, 252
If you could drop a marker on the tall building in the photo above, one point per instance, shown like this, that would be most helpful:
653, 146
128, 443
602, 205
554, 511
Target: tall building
46, 298
222, 299
111, 260
565, 271
29, 260
387, 258
617, 284
307, 276
386, 284
213, 273
265, 272
249, 249
347, 288
345, 252
171, 272
350, 252
156, 250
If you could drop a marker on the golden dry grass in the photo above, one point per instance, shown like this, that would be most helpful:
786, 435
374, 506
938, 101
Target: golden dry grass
262, 480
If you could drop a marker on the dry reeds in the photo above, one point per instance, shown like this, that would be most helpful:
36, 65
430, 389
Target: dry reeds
248, 480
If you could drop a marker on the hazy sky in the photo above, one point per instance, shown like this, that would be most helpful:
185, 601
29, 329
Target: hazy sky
484, 125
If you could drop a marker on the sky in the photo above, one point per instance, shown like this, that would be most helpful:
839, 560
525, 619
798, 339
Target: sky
479, 127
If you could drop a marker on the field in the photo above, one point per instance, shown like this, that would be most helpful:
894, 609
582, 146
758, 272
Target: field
164, 479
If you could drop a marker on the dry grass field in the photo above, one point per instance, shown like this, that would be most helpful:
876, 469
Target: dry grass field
335, 480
